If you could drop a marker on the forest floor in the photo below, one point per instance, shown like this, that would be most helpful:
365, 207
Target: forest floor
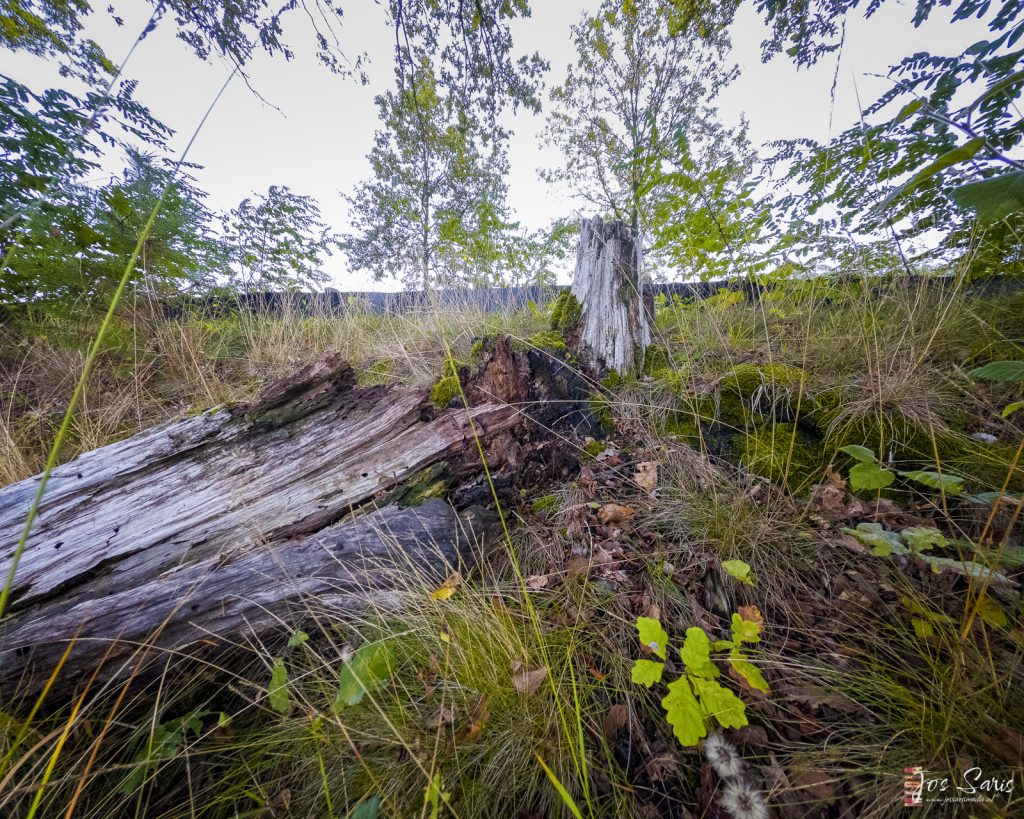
802, 516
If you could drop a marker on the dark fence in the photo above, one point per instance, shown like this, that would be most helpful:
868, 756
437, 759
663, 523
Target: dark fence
491, 299
494, 299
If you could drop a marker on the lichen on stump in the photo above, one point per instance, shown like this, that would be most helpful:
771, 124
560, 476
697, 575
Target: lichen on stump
613, 331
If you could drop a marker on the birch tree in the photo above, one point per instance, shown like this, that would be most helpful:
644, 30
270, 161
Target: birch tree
645, 73
433, 212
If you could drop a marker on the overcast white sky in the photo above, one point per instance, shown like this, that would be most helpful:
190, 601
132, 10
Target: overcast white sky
316, 143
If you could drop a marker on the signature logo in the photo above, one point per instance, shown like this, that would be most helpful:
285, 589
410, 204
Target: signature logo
913, 786
972, 786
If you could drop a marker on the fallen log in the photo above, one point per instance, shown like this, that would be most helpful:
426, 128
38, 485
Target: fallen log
217, 603
232, 520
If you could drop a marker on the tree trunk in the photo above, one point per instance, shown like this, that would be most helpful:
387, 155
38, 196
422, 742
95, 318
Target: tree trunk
231, 520
613, 328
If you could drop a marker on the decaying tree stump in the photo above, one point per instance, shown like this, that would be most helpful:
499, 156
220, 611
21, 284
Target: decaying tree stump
613, 327
234, 519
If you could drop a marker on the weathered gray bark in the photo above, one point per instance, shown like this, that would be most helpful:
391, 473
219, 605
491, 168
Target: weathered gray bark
230, 519
607, 282
224, 601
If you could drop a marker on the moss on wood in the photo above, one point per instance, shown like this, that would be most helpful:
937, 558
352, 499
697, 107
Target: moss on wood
432, 482
565, 312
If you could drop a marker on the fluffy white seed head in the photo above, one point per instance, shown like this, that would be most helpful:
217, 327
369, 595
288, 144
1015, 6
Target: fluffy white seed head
742, 801
723, 756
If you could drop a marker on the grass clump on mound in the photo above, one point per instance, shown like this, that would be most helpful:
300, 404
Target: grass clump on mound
451, 712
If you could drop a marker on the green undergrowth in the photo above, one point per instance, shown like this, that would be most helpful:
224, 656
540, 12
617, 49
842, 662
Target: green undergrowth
781, 386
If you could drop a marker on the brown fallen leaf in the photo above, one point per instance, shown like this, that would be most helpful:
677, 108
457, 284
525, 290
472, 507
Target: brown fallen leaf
645, 606
749, 736
751, 614
445, 715
478, 719
535, 582
577, 566
528, 682
646, 476
615, 513
831, 501
615, 720
587, 481
815, 782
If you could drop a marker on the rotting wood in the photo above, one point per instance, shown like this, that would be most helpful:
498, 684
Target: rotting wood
226, 599
240, 516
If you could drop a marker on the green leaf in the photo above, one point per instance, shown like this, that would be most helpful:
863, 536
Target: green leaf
933, 480
992, 613
647, 672
369, 668
653, 636
908, 110
869, 476
277, 691
563, 793
1010, 557
1010, 409
925, 613
998, 88
1003, 371
433, 796
367, 809
992, 199
745, 631
987, 498
922, 628
683, 712
961, 153
882, 543
719, 702
750, 672
696, 654
739, 570
922, 538
967, 568
297, 639
861, 453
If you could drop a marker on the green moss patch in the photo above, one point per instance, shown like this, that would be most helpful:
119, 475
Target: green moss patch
445, 390
377, 374
565, 312
747, 379
546, 340
432, 482
781, 452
